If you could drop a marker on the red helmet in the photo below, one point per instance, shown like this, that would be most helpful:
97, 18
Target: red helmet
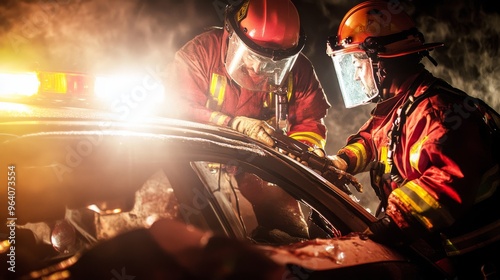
268, 32
378, 27
271, 23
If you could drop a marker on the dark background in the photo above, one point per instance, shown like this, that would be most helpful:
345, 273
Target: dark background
100, 37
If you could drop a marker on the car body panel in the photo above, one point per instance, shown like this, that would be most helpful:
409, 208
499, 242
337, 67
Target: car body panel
69, 160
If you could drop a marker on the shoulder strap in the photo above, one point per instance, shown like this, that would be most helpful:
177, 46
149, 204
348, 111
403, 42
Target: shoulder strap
405, 110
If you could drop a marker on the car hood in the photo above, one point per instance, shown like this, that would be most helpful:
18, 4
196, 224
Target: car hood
325, 254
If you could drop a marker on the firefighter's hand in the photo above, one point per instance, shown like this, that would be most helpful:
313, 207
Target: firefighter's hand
255, 129
338, 162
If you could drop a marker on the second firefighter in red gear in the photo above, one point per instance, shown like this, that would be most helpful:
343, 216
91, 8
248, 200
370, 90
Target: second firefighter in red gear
204, 69
434, 146
233, 76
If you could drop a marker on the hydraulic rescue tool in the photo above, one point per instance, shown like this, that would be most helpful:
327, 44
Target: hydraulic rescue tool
323, 165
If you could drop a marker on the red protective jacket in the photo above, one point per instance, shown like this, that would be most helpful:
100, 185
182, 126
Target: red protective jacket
444, 157
209, 94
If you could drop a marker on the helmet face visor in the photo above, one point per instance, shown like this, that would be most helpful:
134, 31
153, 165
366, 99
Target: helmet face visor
355, 75
254, 71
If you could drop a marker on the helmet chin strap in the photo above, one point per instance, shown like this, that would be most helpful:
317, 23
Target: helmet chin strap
429, 57
378, 76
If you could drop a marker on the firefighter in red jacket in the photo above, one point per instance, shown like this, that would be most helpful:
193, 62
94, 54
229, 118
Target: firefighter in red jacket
433, 159
251, 76
231, 76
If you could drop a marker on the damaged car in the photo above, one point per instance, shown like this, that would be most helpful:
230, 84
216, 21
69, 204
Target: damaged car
90, 194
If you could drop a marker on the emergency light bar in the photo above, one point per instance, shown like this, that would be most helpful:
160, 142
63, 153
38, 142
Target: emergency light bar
130, 95
66, 83
74, 85
31, 83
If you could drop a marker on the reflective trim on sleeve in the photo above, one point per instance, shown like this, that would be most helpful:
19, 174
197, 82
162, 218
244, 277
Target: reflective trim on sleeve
360, 153
424, 207
311, 137
218, 118
217, 91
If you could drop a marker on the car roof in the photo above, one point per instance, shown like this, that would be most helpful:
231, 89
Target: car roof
28, 129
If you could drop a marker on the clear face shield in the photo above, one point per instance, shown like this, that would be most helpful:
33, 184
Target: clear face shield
356, 78
253, 71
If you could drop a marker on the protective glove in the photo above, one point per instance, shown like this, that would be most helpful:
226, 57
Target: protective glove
255, 129
319, 152
338, 162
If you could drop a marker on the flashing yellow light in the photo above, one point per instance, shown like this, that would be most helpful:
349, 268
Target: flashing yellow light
66, 83
25, 84
53, 82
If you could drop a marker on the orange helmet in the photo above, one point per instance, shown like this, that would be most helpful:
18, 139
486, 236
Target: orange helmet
266, 34
378, 27
372, 30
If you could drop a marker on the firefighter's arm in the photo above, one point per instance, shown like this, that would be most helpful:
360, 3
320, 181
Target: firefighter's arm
354, 157
190, 81
308, 107
397, 226
357, 154
403, 223
450, 180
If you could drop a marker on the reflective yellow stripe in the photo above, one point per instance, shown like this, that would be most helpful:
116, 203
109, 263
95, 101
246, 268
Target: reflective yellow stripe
217, 91
311, 137
290, 86
360, 153
489, 183
269, 101
415, 153
218, 118
383, 158
424, 207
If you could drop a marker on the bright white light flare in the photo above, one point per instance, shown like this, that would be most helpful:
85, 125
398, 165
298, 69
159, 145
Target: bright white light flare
25, 84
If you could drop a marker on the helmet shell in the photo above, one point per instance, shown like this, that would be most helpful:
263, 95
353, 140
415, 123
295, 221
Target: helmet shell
262, 40
270, 23
379, 20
